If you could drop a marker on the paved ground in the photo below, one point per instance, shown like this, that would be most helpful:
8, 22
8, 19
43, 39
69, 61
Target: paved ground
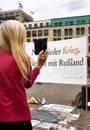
61, 94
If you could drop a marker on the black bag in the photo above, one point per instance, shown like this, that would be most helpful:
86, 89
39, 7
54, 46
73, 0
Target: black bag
78, 100
84, 97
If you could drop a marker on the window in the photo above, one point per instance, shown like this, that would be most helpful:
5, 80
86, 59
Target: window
78, 22
66, 32
71, 22
54, 32
60, 23
1, 17
82, 30
46, 32
41, 25
89, 48
6, 15
89, 39
70, 31
30, 26
17, 13
11, 13
77, 31
28, 34
59, 32
39, 32
89, 30
33, 33
66, 23
47, 24
56, 24
35, 25
83, 21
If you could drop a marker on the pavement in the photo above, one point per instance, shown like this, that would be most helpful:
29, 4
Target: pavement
62, 94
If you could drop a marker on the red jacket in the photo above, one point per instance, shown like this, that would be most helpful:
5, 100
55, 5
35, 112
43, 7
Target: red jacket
13, 100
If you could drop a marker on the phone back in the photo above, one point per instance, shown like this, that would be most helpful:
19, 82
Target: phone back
39, 45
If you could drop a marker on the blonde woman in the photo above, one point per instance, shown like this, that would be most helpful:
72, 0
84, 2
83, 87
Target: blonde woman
16, 74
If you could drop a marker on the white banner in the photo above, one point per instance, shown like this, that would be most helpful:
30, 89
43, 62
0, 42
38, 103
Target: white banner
66, 63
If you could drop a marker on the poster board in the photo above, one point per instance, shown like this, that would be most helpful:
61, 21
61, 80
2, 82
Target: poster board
66, 63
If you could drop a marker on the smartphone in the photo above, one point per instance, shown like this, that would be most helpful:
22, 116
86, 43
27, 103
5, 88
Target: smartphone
39, 45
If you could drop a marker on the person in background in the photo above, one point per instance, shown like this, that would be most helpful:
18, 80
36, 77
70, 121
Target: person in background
16, 75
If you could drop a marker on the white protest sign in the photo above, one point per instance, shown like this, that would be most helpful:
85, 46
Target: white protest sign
66, 63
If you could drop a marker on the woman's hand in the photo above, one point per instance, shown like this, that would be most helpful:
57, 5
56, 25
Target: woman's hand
42, 56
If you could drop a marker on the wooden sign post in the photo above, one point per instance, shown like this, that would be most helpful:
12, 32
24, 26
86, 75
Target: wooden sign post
88, 79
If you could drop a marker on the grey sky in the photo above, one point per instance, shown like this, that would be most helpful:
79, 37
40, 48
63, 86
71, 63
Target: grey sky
49, 8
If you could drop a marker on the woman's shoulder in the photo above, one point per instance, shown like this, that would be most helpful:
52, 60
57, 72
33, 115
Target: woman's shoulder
5, 52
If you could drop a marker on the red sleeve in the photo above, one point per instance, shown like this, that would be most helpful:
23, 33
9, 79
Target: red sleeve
32, 76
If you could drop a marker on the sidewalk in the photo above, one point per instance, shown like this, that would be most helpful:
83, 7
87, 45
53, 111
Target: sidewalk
61, 94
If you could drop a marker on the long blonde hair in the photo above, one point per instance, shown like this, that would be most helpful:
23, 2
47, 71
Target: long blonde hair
12, 38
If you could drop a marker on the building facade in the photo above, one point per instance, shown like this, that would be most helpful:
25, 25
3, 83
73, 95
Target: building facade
37, 29
59, 28
52, 29
16, 15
